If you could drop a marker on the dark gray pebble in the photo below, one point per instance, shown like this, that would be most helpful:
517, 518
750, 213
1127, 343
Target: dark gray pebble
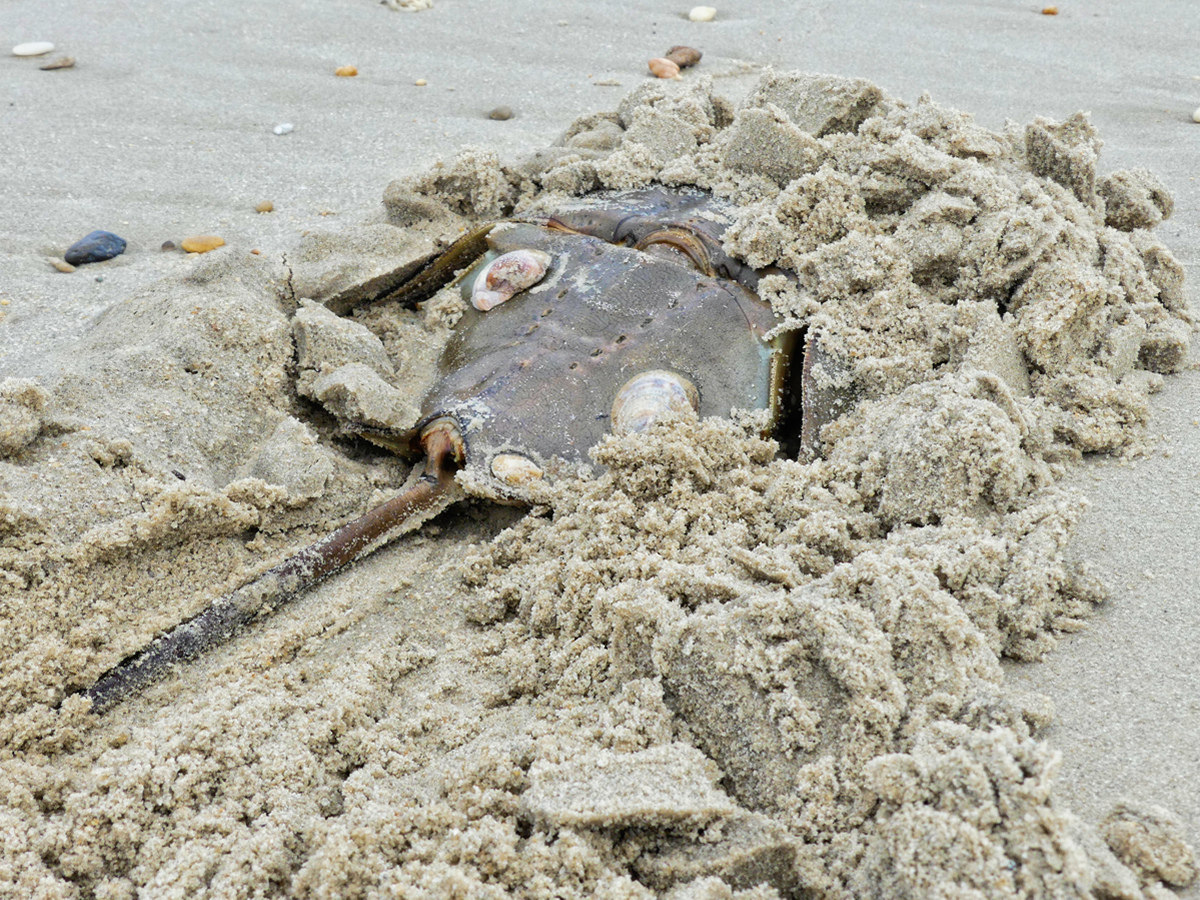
168, 246
96, 247
501, 113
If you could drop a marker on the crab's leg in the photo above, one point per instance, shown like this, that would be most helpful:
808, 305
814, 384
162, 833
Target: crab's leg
216, 623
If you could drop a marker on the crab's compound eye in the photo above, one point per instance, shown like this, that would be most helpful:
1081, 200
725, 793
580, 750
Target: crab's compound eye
680, 244
648, 397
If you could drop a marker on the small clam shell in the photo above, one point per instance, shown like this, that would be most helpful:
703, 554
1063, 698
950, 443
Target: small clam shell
507, 275
663, 68
648, 397
514, 469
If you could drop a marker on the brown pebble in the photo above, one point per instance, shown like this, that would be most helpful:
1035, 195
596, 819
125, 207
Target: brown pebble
59, 62
168, 246
1049, 10
346, 71
256, 252
663, 68
202, 243
265, 206
501, 113
684, 57
61, 264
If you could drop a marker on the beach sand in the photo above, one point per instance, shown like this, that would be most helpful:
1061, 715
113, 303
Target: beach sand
425, 724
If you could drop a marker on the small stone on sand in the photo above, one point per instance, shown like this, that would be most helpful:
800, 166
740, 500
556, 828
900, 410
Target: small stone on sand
684, 57
285, 128
59, 62
420, 82
1196, 115
346, 71
702, 14
96, 247
501, 113
61, 264
202, 243
265, 207
1049, 10
33, 48
256, 252
168, 246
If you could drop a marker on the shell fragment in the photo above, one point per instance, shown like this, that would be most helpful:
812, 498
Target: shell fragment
515, 470
33, 48
507, 275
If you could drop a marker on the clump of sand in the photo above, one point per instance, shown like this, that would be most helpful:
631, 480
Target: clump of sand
702, 670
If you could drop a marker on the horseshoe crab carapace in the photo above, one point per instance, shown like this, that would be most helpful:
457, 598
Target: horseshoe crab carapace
612, 311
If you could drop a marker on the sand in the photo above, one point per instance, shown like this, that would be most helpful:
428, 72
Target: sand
699, 669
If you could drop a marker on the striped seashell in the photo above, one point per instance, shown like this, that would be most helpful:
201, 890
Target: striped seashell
648, 397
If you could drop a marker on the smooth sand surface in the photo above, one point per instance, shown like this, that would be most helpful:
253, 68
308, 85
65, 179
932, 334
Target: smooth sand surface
163, 129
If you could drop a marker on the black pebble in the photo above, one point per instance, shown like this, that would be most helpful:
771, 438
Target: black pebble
96, 247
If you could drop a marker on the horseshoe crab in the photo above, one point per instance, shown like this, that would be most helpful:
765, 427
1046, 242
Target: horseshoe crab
605, 315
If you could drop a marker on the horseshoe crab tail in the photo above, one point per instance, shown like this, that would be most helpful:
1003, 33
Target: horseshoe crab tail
432, 492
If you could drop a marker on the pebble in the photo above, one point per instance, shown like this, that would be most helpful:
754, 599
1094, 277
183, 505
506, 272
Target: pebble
684, 57
346, 71
99, 278
61, 264
202, 243
168, 246
265, 206
1196, 115
702, 14
33, 48
663, 68
285, 128
96, 247
1049, 10
501, 113
59, 62
420, 82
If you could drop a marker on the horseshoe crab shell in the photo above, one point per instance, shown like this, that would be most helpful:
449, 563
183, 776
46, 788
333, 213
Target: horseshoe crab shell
538, 375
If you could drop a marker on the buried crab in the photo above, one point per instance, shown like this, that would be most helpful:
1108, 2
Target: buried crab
608, 315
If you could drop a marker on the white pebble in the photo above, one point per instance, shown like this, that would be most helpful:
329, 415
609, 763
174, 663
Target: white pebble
702, 14
33, 48
285, 128
1196, 115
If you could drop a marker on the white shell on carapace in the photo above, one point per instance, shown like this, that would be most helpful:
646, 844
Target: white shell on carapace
507, 275
514, 469
648, 397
